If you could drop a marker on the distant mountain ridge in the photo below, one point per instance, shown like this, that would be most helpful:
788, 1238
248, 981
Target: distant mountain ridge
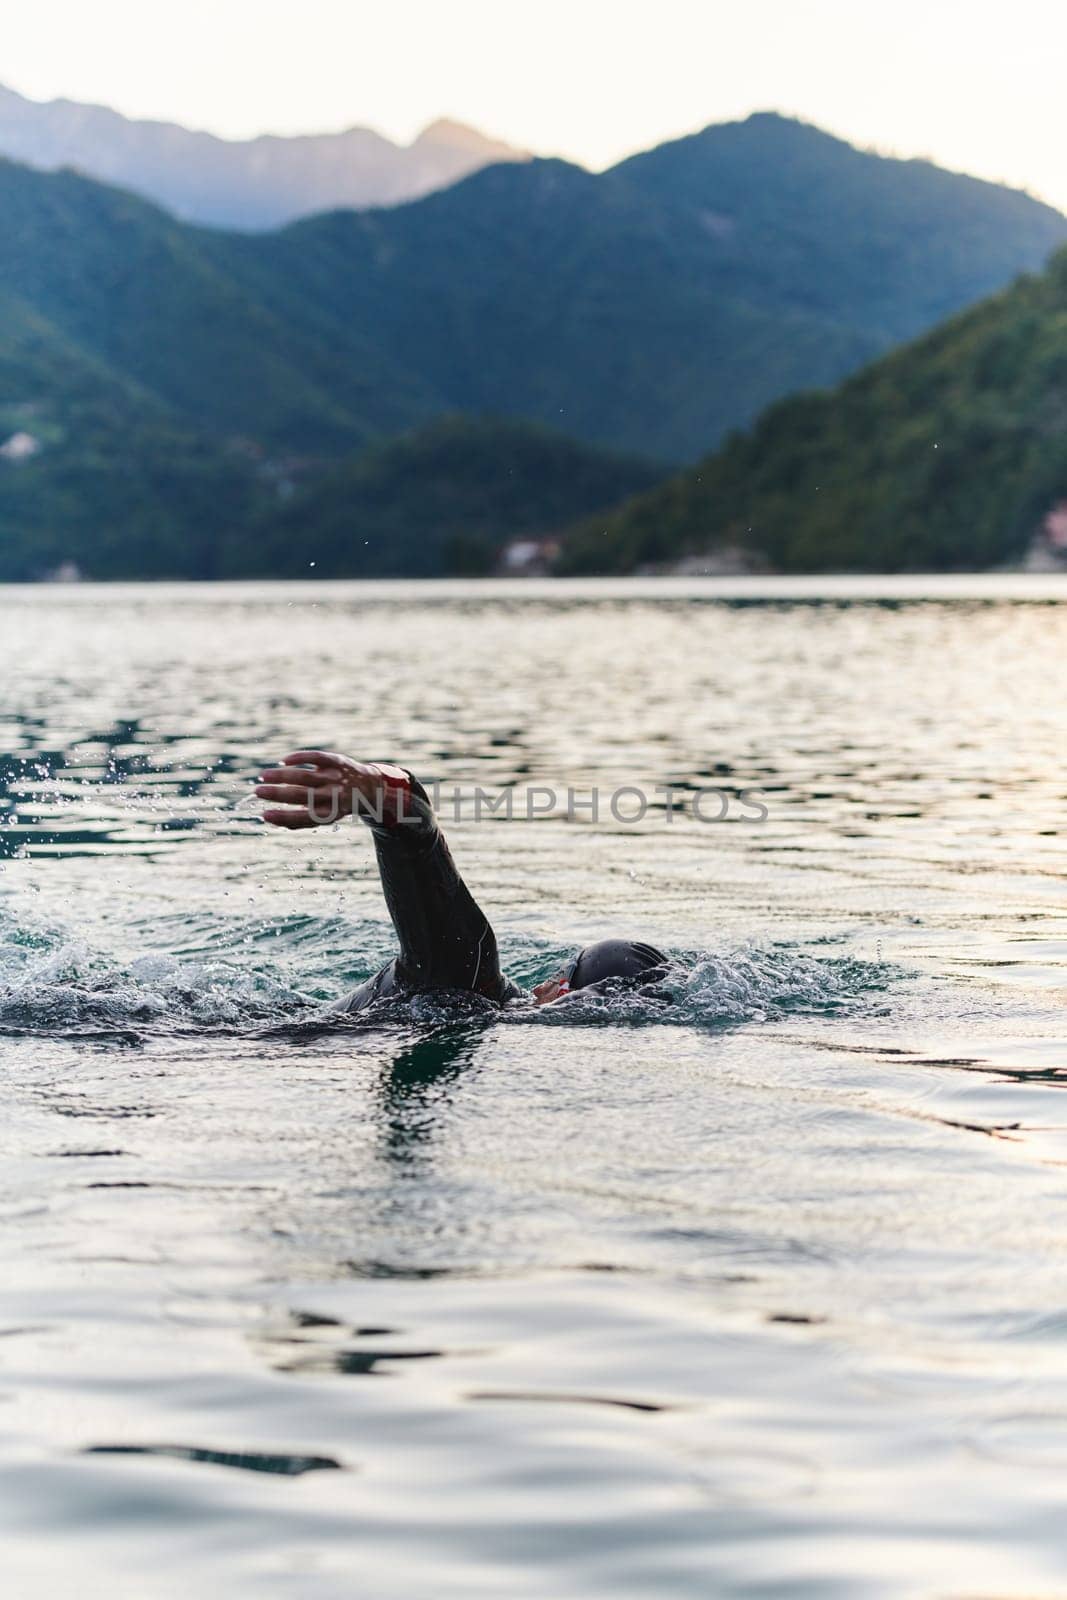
610, 306
802, 216
251, 183
649, 310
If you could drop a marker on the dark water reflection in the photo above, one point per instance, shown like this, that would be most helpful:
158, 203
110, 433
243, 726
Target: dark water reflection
415, 1089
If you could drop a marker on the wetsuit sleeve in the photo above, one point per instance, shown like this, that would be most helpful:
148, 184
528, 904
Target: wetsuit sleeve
446, 940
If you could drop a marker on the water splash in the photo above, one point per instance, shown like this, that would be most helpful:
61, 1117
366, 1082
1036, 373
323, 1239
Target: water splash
54, 984
239, 974
751, 983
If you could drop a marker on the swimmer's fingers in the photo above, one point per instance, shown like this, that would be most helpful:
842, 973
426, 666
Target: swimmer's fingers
307, 778
318, 758
313, 807
363, 776
291, 819
290, 794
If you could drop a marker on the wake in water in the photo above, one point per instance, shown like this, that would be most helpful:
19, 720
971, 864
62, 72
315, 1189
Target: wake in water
244, 976
750, 983
72, 989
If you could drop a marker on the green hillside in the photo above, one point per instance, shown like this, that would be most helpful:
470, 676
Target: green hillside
439, 501
545, 293
121, 487
157, 303
650, 308
809, 221
657, 306
946, 454
174, 376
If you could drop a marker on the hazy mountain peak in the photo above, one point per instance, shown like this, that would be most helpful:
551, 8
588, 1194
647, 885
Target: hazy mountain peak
460, 135
242, 183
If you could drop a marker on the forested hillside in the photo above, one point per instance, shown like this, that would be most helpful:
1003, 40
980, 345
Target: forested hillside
173, 379
650, 308
437, 502
950, 453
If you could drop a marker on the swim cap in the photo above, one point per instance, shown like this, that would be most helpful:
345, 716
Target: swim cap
615, 958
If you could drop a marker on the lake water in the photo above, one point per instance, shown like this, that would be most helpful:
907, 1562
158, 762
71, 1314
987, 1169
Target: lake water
763, 1293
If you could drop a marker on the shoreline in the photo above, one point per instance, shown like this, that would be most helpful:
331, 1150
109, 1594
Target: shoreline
844, 586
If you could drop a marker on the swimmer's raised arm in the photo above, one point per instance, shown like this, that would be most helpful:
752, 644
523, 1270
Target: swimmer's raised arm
446, 941
445, 938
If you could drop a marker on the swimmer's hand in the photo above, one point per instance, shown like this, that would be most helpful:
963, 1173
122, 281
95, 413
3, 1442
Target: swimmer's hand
313, 788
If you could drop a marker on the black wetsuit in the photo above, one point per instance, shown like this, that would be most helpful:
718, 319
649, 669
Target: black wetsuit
446, 941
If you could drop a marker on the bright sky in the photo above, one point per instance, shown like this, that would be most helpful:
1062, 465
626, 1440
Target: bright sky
977, 85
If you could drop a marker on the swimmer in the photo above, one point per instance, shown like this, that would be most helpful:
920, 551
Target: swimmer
446, 941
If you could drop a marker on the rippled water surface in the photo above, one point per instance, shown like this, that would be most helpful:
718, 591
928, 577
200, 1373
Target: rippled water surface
761, 1293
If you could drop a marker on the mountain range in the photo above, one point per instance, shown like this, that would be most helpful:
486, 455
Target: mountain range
174, 376
241, 183
650, 308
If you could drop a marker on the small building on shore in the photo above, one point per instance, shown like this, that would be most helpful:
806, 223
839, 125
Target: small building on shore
20, 446
528, 558
1048, 550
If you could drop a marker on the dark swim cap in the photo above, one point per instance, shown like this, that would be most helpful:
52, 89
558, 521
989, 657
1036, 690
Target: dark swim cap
615, 958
